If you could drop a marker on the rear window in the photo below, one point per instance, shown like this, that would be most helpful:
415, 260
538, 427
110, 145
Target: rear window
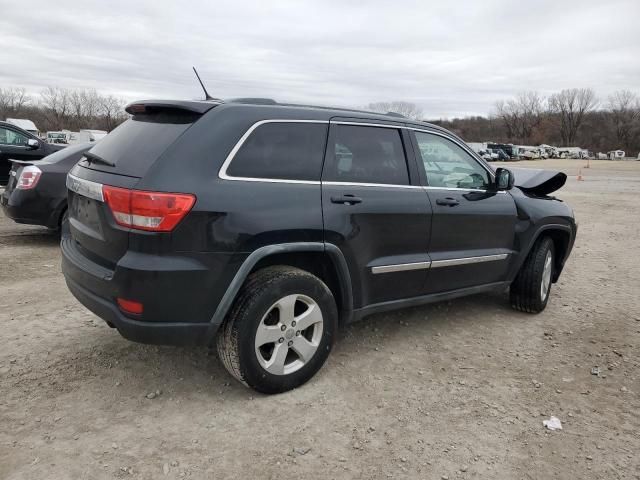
136, 144
284, 151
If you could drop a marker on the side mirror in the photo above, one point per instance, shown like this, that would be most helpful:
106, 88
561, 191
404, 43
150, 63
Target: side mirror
33, 144
504, 179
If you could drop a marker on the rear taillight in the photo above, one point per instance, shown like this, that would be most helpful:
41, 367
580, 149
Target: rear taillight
152, 211
28, 178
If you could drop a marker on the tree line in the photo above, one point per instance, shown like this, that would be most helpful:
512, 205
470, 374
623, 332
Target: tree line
573, 117
55, 108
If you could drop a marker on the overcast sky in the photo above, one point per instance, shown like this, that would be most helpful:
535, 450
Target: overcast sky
453, 58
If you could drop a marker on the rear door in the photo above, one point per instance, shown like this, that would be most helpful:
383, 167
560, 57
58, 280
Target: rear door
375, 211
473, 227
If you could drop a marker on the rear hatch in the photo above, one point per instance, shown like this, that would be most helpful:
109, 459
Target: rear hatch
121, 159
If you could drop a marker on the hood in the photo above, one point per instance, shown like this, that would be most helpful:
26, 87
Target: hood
538, 182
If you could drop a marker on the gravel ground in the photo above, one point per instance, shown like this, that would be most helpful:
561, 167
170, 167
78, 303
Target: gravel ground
452, 390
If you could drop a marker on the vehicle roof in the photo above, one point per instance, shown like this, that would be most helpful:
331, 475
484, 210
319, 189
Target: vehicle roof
318, 111
22, 123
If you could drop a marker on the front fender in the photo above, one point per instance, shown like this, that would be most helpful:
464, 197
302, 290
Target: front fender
538, 216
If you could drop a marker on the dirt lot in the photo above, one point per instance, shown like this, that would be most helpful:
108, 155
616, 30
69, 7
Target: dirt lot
452, 390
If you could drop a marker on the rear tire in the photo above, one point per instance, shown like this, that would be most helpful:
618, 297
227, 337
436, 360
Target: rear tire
531, 288
279, 331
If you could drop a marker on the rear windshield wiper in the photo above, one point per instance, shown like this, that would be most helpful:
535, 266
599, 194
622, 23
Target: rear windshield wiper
93, 158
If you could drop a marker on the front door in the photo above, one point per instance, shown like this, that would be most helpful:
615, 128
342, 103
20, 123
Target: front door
375, 211
473, 226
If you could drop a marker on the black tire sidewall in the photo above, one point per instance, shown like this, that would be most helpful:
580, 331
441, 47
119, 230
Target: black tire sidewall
254, 374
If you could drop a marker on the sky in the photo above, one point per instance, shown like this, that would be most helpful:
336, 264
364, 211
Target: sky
453, 58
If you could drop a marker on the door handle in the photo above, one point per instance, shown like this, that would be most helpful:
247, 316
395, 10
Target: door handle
346, 199
447, 202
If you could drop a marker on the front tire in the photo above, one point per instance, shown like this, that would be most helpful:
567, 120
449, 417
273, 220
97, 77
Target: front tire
531, 288
280, 329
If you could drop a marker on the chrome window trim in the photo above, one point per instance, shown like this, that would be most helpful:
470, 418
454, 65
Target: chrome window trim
356, 184
451, 262
466, 148
225, 165
400, 267
222, 173
86, 188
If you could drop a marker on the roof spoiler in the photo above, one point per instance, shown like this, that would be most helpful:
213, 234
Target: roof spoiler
22, 162
144, 106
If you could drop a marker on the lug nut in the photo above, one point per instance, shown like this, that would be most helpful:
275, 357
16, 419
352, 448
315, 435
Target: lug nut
298, 333
280, 340
290, 343
293, 324
283, 328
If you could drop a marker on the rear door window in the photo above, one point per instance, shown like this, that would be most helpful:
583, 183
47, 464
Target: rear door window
136, 144
281, 151
363, 154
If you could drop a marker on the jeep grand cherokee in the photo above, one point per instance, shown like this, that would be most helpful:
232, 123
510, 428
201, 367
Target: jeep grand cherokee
261, 227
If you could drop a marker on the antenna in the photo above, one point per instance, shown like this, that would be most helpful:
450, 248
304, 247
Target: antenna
206, 94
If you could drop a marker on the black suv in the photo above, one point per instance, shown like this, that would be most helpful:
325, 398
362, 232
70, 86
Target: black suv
262, 227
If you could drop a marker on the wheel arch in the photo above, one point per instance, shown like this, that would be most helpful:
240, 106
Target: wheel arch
323, 260
561, 235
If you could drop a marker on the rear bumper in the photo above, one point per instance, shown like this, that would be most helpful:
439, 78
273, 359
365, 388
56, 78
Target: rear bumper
170, 295
30, 207
139, 331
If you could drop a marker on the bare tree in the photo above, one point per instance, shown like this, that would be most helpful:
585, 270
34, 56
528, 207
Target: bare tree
521, 115
58, 105
12, 101
112, 110
407, 109
625, 115
572, 105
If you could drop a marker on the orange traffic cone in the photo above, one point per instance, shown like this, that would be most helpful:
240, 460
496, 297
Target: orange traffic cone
580, 175
588, 165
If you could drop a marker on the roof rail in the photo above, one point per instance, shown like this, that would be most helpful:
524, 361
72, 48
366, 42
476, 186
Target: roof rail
395, 114
252, 100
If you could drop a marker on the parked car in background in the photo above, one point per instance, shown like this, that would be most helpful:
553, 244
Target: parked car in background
37, 193
261, 227
18, 144
58, 138
508, 148
501, 155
